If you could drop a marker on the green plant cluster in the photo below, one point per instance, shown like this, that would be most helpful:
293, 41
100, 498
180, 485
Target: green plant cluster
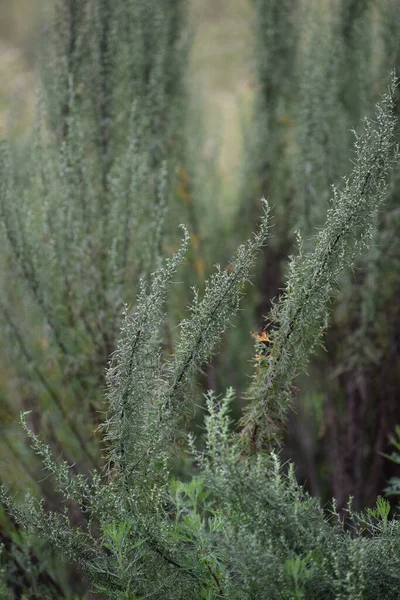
241, 526
92, 299
329, 60
86, 202
84, 217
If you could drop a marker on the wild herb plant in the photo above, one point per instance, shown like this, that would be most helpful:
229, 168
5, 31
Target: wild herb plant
347, 408
266, 143
83, 219
320, 123
299, 318
240, 527
84, 211
359, 406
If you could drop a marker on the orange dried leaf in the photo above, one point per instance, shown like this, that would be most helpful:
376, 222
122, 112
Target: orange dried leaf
262, 336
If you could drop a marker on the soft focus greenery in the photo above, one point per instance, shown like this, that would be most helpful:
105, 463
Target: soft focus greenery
121, 120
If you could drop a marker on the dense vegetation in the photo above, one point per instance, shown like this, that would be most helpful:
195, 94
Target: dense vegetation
174, 483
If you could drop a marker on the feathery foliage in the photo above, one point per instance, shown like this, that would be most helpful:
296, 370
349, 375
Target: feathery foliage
240, 527
276, 40
143, 422
84, 211
320, 122
299, 318
83, 219
358, 407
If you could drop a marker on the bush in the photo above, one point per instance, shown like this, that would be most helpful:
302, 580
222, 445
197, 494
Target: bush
240, 527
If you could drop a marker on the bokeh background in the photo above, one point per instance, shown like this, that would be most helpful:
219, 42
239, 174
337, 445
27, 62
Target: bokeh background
274, 90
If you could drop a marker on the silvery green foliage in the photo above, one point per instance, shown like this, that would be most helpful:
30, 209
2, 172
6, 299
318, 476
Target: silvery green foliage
82, 218
276, 38
356, 33
83, 207
299, 318
382, 261
117, 53
366, 357
22, 574
145, 411
241, 528
131, 392
321, 126
336, 82
275, 541
267, 143
130, 544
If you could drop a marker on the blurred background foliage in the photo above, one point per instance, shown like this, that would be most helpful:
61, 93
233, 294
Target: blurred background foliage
272, 90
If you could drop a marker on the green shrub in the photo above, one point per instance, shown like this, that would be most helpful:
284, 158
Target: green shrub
85, 210
240, 527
